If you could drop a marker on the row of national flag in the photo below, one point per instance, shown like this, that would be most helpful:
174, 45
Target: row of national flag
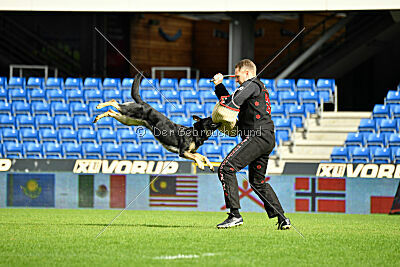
181, 191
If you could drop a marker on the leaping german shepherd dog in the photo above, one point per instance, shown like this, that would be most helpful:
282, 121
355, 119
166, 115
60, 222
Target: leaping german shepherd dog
174, 137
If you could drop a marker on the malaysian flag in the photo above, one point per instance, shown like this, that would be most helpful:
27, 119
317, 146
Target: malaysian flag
173, 191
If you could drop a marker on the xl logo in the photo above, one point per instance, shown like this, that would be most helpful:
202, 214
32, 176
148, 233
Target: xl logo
359, 170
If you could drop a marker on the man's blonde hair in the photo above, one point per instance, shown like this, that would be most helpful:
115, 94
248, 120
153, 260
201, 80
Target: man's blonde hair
246, 64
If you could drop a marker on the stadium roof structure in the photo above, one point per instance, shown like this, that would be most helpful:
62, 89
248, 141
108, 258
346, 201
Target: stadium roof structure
197, 6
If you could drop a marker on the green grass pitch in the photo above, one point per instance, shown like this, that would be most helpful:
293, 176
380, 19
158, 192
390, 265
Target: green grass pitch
36, 237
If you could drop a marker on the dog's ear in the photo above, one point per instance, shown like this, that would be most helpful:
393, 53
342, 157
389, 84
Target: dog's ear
196, 118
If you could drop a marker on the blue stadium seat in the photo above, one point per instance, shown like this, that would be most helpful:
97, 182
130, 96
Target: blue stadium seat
52, 151
281, 136
64, 122
29, 135
152, 150
169, 96
361, 155
35, 83
24, 121
105, 123
73, 83
48, 135
9, 134
181, 120
127, 83
3, 82
269, 84
325, 88
355, 139
72, 151
17, 94
33, 150
274, 97
169, 84
305, 84
288, 98
7, 121
87, 136
382, 155
388, 125
145, 136
174, 109
339, 153
195, 109
309, 100
93, 111
68, 136
113, 151
283, 124
92, 151
396, 155
42, 121
40, 108
111, 84
113, 95
187, 84
126, 135
393, 97
107, 136
212, 151
278, 111
208, 108
285, 85
54, 83
226, 149
92, 83
13, 150
83, 122
79, 109
208, 97
59, 108
394, 140
74, 96
376, 140
159, 107
132, 151
5, 108
172, 156
230, 84
149, 84
205, 84
19, 107
55, 95
297, 115
190, 97
3, 95
367, 125
16, 82
152, 95
37, 95
380, 111
228, 140
126, 95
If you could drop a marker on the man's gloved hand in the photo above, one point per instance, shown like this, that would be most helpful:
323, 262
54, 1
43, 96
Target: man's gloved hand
218, 78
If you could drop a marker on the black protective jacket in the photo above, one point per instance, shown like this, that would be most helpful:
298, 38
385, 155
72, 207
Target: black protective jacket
251, 99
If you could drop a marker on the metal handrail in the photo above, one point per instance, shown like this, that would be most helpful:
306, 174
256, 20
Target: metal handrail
22, 67
162, 69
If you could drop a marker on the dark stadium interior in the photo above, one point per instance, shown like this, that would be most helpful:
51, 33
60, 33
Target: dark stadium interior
361, 56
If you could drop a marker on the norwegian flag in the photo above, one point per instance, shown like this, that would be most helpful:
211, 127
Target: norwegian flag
320, 194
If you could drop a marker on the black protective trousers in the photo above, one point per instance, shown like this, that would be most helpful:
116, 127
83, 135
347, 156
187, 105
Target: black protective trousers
253, 151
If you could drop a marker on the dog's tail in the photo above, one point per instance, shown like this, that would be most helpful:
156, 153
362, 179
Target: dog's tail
135, 89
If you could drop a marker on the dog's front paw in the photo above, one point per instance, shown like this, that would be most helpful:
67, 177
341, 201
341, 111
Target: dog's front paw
200, 165
96, 119
211, 167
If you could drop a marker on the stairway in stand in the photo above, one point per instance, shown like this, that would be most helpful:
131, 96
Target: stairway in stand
316, 141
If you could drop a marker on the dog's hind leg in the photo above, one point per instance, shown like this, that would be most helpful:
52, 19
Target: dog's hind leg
112, 103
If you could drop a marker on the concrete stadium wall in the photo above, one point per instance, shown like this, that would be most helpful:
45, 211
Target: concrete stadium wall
190, 6
196, 192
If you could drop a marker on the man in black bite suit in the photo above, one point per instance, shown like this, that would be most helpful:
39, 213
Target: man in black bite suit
256, 129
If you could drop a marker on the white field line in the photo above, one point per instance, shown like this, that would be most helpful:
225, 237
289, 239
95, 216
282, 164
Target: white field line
182, 256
